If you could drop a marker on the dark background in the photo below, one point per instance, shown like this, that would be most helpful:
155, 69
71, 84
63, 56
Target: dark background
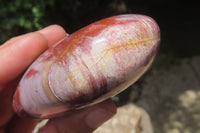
179, 20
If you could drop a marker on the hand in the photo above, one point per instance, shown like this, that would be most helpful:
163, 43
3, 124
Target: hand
15, 56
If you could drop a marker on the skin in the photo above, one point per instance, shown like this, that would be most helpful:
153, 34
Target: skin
15, 56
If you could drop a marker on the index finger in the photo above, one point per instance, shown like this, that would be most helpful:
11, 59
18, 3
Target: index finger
20, 52
54, 34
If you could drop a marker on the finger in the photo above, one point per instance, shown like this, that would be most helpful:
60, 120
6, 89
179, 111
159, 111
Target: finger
12, 40
21, 125
18, 53
82, 121
53, 34
17, 57
6, 110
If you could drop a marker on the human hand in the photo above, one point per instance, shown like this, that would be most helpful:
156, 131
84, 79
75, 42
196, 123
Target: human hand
15, 56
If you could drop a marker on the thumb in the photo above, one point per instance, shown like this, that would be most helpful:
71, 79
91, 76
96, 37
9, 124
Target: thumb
82, 121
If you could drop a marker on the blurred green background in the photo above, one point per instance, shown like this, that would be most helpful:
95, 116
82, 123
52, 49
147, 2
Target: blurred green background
179, 22
178, 19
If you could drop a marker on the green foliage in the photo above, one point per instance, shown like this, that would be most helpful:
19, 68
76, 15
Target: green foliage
18, 17
179, 37
22, 16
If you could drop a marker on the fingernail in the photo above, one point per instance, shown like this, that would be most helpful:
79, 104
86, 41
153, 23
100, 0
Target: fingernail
97, 117
49, 32
53, 28
46, 29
